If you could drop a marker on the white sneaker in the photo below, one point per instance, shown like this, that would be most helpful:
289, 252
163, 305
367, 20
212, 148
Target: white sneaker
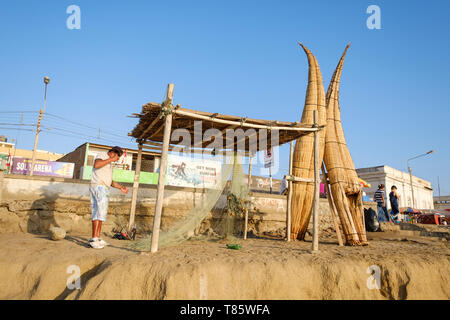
103, 242
96, 244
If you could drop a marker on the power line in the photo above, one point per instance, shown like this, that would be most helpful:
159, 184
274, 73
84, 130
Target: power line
18, 124
77, 135
82, 125
19, 111
20, 129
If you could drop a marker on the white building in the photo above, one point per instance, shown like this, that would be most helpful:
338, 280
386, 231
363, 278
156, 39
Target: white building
423, 193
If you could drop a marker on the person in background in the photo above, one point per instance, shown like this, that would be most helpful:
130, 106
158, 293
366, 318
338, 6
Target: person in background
393, 198
381, 203
284, 186
101, 181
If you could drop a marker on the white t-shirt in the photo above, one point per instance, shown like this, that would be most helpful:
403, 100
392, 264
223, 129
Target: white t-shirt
103, 175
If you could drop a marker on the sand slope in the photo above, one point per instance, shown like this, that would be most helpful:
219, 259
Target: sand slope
34, 267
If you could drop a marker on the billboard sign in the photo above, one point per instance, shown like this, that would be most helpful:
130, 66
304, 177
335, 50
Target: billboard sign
43, 168
193, 173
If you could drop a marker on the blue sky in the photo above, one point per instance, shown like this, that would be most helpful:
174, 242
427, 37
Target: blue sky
235, 57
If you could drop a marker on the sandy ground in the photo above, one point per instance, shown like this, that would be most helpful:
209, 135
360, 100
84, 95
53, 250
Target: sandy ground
410, 267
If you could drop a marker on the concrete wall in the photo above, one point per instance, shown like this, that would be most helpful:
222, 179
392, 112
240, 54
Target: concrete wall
442, 203
34, 204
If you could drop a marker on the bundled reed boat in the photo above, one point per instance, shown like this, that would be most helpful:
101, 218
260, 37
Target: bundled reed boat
303, 158
345, 188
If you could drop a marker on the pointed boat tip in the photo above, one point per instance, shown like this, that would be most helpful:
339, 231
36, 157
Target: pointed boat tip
307, 51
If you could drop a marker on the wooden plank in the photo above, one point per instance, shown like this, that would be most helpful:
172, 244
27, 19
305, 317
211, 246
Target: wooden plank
162, 173
249, 182
135, 188
297, 179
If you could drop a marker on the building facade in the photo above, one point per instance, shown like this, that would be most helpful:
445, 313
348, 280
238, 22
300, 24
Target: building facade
123, 170
423, 192
442, 203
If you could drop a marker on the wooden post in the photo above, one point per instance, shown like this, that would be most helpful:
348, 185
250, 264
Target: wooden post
135, 188
315, 242
2, 179
249, 183
162, 170
332, 207
289, 199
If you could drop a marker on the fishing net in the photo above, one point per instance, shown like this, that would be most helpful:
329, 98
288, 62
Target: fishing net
237, 201
185, 228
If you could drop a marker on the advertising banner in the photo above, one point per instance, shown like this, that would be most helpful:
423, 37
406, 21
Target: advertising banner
193, 173
43, 168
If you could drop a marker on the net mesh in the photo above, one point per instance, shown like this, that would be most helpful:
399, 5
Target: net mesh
237, 200
237, 193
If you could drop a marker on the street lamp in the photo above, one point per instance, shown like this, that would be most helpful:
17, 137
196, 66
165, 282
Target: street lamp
410, 174
38, 129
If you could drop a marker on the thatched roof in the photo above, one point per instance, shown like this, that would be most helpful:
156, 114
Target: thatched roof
150, 131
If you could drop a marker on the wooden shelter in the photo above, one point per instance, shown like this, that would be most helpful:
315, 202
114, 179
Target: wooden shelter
154, 131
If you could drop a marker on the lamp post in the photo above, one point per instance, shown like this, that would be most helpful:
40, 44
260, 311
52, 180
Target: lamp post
410, 174
38, 129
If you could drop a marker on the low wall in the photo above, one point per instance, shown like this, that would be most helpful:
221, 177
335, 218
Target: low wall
35, 204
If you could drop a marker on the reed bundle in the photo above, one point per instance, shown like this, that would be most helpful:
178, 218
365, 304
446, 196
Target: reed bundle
344, 184
303, 158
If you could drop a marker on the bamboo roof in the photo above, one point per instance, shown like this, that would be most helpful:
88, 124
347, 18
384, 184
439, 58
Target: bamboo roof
149, 130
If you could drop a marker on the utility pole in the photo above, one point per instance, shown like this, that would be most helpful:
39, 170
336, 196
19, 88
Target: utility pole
412, 188
410, 174
38, 129
439, 190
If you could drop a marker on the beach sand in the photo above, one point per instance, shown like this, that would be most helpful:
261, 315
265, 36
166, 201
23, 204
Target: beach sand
411, 267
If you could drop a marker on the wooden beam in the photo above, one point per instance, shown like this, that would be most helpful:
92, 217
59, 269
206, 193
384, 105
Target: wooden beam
332, 207
243, 124
249, 183
315, 242
157, 131
151, 125
297, 179
289, 199
135, 188
162, 172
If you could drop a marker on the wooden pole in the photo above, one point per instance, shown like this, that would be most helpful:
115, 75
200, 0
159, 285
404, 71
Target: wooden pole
332, 207
315, 242
162, 171
135, 188
249, 183
289, 200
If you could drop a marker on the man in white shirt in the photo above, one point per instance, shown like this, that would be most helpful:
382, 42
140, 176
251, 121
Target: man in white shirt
101, 181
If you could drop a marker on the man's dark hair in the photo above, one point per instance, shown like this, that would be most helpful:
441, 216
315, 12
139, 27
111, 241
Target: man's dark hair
380, 186
117, 150
393, 187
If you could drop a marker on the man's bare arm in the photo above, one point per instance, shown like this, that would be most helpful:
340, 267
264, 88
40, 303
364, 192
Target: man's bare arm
120, 187
116, 185
98, 163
